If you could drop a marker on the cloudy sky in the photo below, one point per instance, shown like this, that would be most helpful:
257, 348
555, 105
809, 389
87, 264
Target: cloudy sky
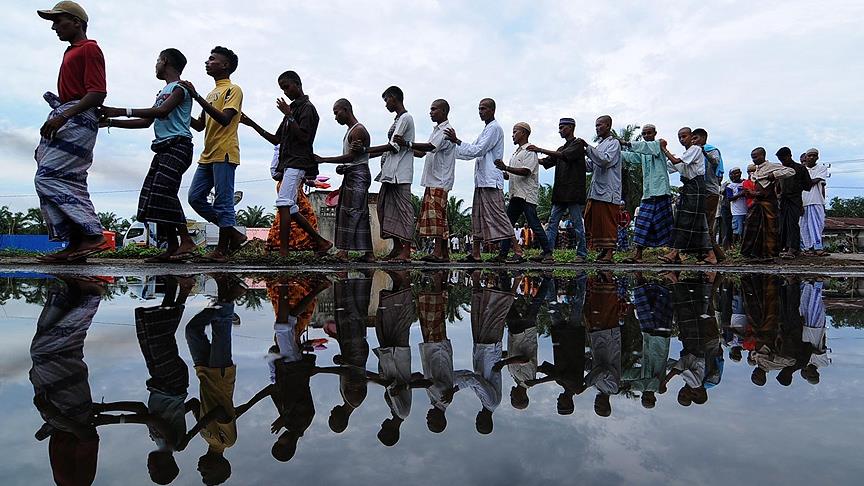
767, 73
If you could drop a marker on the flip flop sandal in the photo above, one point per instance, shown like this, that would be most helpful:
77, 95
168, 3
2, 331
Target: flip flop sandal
182, 257
669, 261
516, 259
78, 256
631, 261
469, 259
158, 259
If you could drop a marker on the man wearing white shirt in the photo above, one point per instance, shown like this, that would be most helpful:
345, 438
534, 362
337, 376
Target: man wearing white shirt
813, 220
691, 224
604, 195
524, 187
438, 175
489, 222
395, 209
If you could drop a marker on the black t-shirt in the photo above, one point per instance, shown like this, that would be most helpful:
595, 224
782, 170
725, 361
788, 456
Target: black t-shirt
295, 150
791, 188
569, 184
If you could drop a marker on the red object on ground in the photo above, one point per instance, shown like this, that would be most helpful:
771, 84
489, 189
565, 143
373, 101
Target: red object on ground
110, 239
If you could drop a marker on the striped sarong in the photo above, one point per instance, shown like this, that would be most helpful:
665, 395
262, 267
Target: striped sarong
760, 230
433, 213
812, 225
396, 211
601, 224
61, 175
156, 328
353, 231
691, 226
158, 201
654, 223
489, 222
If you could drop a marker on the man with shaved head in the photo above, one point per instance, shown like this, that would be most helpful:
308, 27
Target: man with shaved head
604, 195
759, 243
438, 177
653, 226
489, 222
353, 230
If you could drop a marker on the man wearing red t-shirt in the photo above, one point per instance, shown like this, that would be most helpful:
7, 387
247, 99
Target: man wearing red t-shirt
65, 150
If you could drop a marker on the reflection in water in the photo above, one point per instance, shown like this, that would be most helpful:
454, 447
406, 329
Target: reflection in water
628, 337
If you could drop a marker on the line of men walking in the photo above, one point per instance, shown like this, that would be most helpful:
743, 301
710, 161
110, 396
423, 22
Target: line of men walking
68, 136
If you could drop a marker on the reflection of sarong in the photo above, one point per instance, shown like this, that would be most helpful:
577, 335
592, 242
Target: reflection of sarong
155, 328
295, 290
396, 211
653, 307
653, 226
601, 306
352, 214
433, 213
601, 224
489, 222
760, 230
158, 202
691, 225
299, 239
61, 174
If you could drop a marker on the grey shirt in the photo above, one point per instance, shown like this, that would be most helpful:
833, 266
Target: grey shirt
604, 161
712, 182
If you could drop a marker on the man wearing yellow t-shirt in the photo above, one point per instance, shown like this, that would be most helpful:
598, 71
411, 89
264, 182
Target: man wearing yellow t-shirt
221, 155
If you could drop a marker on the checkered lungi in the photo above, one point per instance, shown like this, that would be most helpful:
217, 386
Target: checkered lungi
691, 225
653, 307
433, 213
654, 223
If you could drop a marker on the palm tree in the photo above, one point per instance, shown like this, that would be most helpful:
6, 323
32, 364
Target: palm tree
631, 176
37, 221
458, 219
255, 217
109, 220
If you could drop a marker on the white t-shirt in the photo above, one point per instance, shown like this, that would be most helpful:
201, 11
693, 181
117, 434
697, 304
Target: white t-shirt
738, 206
815, 194
525, 187
440, 163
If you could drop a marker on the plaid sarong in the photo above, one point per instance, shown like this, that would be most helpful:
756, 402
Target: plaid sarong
156, 328
158, 201
353, 231
601, 224
489, 221
654, 223
653, 307
61, 173
760, 230
396, 211
691, 226
433, 213
431, 309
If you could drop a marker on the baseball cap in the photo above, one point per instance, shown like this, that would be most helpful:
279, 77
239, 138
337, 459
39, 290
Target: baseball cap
65, 7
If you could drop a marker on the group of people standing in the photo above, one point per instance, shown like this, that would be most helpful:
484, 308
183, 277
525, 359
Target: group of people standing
68, 136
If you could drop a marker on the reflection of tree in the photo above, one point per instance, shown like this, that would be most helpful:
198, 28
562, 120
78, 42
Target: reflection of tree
853, 318
458, 300
253, 299
30, 290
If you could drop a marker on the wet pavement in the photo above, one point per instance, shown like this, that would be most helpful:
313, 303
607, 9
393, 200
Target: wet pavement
430, 376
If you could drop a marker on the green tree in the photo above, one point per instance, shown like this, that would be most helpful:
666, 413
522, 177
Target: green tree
846, 208
109, 220
37, 221
458, 219
255, 217
544, 202
13, 223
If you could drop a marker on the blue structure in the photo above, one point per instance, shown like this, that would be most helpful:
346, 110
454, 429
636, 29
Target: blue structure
37, 243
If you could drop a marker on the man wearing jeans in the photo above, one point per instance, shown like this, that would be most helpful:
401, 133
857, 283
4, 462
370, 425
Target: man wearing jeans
221, 155
568, 191
524, 188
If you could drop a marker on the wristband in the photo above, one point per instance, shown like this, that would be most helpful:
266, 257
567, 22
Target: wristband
129, 112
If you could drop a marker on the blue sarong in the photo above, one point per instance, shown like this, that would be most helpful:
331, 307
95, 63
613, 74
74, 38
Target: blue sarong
61, 173
654, 223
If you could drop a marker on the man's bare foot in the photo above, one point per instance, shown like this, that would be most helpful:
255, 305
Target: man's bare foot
342, 256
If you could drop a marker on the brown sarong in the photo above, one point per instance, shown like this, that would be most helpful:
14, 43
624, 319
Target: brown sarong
395, 211
601, 305
760, 230
601, 224
489, 222
433, 213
